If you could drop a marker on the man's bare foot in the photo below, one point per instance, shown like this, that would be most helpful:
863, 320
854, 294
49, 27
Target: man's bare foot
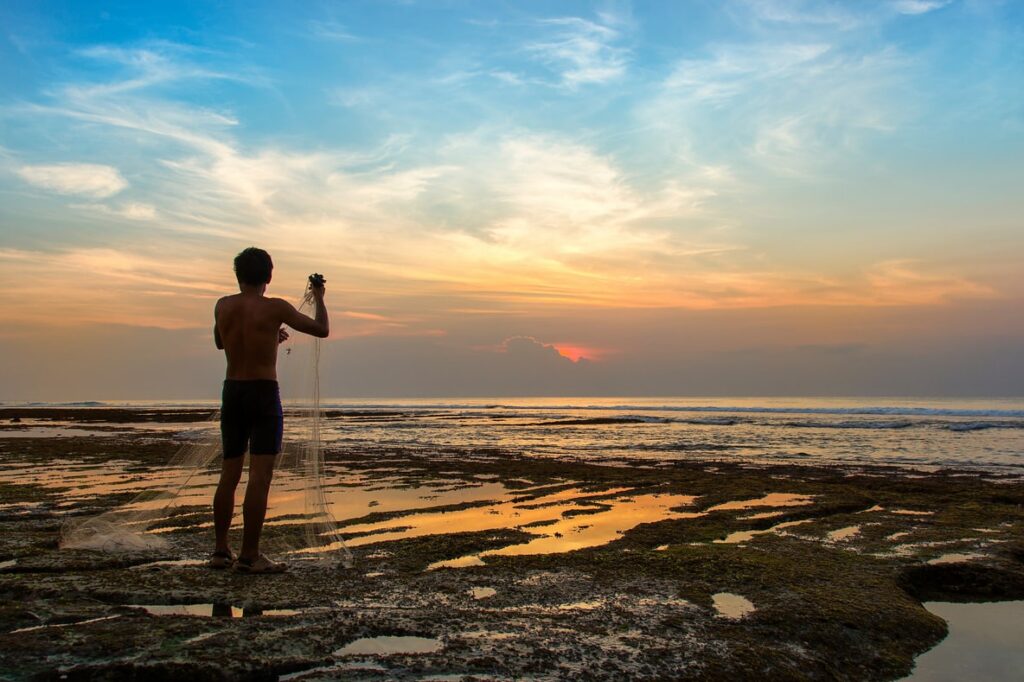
259, 565
221, 559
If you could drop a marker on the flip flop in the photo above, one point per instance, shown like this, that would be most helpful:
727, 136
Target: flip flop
260, 566
221, 560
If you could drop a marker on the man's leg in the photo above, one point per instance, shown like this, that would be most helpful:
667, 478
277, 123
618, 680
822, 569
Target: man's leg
224, 500
254, 508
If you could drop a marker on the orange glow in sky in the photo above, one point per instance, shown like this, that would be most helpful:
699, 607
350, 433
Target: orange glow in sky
575, 352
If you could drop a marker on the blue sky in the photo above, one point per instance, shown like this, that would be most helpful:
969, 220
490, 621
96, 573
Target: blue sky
470, 174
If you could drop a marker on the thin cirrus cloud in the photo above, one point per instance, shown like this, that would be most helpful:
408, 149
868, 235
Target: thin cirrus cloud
582, 51
129, 210
793, 109
80, 179
919, 6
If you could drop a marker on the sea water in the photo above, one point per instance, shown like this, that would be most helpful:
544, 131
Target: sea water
974, 434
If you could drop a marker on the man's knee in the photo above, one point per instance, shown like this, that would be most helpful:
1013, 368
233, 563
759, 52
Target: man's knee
261, 470
231, 473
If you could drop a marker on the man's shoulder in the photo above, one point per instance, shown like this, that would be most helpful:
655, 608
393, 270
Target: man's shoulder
277, 302
278, 307
224, 300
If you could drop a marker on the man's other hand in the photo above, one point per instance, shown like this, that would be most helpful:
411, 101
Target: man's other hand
282, 335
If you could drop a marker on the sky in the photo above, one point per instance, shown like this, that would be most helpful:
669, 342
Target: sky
519, 198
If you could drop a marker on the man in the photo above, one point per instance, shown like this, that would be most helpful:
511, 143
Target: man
248, 328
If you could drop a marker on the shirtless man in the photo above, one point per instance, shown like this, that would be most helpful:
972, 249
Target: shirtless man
248, 328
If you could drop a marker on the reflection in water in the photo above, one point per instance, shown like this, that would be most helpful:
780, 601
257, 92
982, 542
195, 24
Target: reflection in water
461, 562
956, 558
732, 606
387, 646
216, 610
62, 625
482, 592
561, 522
168, 563
985, 642
558, 517
844, 534
746, 535
770, 500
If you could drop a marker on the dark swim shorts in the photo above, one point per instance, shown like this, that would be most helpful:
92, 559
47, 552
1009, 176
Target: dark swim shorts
251, 416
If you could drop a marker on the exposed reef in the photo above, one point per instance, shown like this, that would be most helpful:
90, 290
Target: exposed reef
746, 572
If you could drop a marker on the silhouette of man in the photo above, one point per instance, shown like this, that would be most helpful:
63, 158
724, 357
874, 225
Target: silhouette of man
248, 328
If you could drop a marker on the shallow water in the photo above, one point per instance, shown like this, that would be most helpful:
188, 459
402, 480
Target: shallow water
211, 610
922, 432
732, 606
747, 535
482, 592
985, 642
388, 646
561, 522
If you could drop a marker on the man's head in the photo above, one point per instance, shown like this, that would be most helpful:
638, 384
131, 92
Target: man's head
253, 267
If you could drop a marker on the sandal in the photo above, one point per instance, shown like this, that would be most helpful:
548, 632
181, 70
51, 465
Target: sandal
260, 565
221, 560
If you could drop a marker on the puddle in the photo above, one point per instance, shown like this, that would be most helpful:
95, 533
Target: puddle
844, 534
732, 606
762, 515
571, 519
985, 642
62, 625
910, 512
349, 494
482, 592
171, 562
746, 535
661, 548
8, 563
210, 610
461, 562
956, 558
388, 646
770, 500
580, 606
53, 432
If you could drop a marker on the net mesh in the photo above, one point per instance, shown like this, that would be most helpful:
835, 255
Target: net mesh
300, 524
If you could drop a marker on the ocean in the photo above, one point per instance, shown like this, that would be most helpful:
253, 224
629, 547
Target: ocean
927, 433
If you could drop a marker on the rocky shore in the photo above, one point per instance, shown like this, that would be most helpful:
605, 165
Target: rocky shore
766, 572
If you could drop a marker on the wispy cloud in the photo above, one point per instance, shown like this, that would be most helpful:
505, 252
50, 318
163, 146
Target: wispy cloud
841, 15
331, 31
129, 210
582, 51
789, 107
83, 179
919, 6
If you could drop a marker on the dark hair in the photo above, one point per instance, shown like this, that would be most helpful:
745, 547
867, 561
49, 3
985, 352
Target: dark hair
253, 266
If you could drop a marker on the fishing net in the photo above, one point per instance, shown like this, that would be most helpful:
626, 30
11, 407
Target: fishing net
175, 504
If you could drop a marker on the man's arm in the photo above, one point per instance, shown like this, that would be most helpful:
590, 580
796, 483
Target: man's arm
319, 326
216, 332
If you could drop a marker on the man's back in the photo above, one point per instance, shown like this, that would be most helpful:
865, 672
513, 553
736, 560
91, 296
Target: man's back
247, 327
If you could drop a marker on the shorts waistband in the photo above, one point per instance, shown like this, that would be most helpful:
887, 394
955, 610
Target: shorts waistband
250, 382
